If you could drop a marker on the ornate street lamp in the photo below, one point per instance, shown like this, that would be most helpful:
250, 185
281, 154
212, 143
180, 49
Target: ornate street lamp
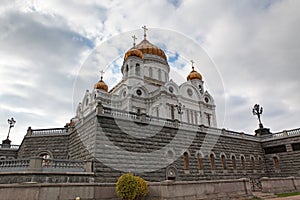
257, 110
11, 123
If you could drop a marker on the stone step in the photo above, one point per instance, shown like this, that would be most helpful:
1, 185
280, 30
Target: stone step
264, 195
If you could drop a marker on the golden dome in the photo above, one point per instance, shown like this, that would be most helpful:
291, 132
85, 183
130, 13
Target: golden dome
145, 47
134, 52
194, 75
101, 85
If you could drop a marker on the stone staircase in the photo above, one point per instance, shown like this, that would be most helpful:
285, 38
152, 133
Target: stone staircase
263, 195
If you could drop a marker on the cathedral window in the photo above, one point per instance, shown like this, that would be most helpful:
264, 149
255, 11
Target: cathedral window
208, 119
139, 92
223, 158
159, 74
150, 72
157, 112
126, 70
45, 156
166, 76
192, 117
186, 161
233, 162
137, 69
243, 162
252, 163
212, 161
199, 162
188, 116
172, 112
261, 164
276, 163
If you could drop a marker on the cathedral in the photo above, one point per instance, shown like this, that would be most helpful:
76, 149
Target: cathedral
145, 88
150, 126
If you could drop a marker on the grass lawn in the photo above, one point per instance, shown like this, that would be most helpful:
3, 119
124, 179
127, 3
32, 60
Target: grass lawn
288, 194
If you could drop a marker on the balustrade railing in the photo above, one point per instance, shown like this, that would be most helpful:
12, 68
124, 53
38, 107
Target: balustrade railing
41, 164
64, 165
10, 146
209, 130
284, 133
50, 131
14, 164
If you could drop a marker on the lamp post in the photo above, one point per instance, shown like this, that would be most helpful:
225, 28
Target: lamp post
257, 110
11, 123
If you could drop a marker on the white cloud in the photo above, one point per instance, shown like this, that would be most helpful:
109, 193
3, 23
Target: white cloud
254, 44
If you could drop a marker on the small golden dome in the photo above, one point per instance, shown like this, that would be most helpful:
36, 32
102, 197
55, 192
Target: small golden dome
101, 85
134, 52
194, 75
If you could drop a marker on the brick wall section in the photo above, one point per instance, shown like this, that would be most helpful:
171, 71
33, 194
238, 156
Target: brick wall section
8, 153
117, 132
82, 139
289, 162
57, 145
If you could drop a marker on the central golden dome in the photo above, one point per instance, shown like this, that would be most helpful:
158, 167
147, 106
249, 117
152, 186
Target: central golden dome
145, 47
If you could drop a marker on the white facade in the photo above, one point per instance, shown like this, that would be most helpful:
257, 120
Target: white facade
145, 88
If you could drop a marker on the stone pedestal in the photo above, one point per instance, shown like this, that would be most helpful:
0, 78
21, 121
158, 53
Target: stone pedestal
6, 143
262, 131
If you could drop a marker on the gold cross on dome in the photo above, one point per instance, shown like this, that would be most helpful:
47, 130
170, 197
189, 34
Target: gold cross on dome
134, 38
145, 30
192, 64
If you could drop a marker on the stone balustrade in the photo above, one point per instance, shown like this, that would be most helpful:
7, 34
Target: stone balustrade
9, 146
50, 131
175, 123
41, 164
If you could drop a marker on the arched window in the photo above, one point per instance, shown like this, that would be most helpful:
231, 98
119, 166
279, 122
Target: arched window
276, 162
252, 163
46, 161
159, 74
212, 161
261, 164
243, 162
126, 71
199, 162
185, 161
233, 162
223, 158
137, 69
150, 72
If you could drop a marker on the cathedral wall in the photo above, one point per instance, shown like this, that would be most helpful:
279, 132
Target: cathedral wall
37, 145
8, 153
282, 156
130, 145
82, 139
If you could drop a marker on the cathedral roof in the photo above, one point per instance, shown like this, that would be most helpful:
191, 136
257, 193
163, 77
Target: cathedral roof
101, 85
194, 75
145, 47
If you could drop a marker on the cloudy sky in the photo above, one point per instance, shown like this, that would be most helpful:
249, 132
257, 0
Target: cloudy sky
45, 45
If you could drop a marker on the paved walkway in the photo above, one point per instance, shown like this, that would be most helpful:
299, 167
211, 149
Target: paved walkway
297, 197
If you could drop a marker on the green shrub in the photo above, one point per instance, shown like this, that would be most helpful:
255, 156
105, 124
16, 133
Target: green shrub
127, 187
142, 188
131, 187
